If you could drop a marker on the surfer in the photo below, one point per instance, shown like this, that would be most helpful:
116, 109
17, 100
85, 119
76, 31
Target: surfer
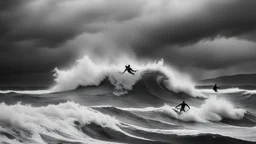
215, 88
129, 69
182, 106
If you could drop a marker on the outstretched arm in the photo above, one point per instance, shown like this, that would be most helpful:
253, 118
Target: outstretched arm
124, 71
133, 70
187, 106
177, 105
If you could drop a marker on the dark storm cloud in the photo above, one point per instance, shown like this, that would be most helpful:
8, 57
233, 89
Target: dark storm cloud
53, 22
31, 60
216, 54
10, 4
213, 58
181, 30
205, 21
37, 35
30, 28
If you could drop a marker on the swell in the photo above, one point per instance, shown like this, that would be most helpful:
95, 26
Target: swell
186, 139
135, 119
153, 137
86, 73
249, 120
213, 109
241, 97
72, 123
149, 90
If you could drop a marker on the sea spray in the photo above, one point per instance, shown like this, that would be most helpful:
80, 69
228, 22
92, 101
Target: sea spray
87, 73
213, 109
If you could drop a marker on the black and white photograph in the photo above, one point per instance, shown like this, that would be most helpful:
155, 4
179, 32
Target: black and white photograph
128, 71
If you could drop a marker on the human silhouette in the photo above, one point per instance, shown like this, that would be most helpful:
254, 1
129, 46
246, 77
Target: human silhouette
129, 69
215, 88
182, 106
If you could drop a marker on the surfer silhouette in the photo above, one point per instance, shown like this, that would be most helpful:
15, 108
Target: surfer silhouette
215, 88
129, 69
182, 106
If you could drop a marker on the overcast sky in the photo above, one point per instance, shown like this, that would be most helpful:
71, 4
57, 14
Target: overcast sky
207, 38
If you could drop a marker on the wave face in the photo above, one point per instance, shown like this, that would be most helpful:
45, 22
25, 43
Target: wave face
88, 73
96, 103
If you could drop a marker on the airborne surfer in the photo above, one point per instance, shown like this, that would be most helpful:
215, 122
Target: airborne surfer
215, 88
129, 69
182, 106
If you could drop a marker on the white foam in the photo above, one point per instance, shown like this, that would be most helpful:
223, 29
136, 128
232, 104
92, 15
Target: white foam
250, 92
228, 90
33, 92
86, 72
213, 109
180, 132
49, 119
89, 73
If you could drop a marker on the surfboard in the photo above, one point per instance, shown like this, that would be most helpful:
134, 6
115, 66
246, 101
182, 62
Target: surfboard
177, 111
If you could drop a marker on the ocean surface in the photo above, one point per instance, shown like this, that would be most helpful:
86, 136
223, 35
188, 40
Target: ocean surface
93, 104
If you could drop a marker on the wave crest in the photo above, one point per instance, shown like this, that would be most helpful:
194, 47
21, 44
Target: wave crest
54, 120
213, 109
88, 73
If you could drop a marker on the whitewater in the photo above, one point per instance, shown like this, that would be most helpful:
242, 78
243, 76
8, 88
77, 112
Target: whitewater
93, 102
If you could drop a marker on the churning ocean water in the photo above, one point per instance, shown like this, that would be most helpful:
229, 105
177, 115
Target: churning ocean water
95, 103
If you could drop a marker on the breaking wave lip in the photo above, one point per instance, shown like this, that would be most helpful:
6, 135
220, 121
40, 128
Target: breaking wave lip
213, 109
58, 121
33, 92
86, 72
228, 90
53, 120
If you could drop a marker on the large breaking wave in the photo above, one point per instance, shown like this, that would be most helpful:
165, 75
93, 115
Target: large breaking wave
63, 122
86, 72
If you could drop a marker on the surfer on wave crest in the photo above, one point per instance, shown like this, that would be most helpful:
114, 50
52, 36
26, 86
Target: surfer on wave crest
129, 69
215, 88
182, 106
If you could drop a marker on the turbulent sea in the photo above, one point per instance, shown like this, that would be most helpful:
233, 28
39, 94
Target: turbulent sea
95, 103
